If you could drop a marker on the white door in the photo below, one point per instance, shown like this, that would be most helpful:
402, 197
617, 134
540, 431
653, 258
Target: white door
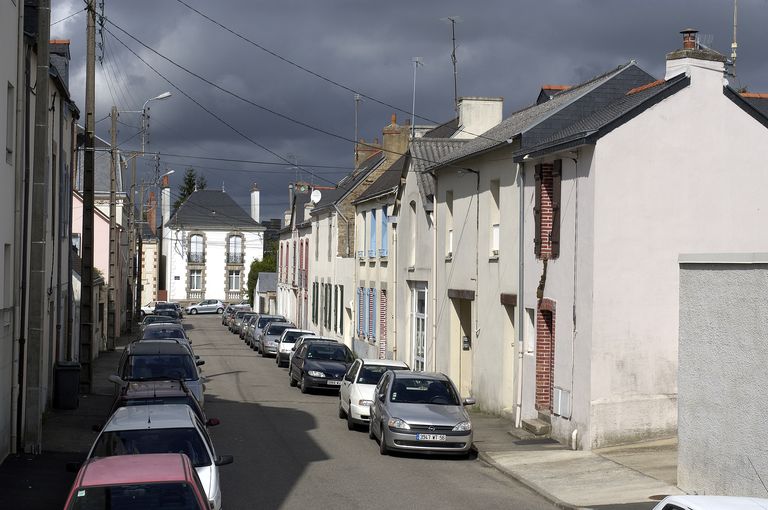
419, 326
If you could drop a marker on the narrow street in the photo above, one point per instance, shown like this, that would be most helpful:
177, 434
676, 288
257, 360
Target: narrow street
291, 450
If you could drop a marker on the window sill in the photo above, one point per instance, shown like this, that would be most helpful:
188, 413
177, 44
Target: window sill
411, 269
449, 258
493, 258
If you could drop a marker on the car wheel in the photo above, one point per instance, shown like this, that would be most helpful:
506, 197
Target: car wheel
263, 354
219, 310
383, 450
193, 311
304, 388
350, 423
371, 435
291, 381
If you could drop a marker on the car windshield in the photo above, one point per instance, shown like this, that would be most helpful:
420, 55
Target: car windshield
151, 333
423, 391
328, 352
128, 442
148, 496
277, 329
291, 336
370, 374
161, 366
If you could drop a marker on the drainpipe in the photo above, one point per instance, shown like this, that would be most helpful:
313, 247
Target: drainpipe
520, 293
434, 282
394, 289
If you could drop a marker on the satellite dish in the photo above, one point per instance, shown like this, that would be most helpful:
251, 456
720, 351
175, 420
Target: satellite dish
315, 196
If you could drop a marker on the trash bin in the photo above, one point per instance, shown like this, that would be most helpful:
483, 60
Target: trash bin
66, 389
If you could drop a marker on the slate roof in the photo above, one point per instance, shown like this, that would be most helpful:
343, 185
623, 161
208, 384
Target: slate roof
211, 210
444, 130
425, 151
603, 120
266, 282
332, 196
540, 121
387, 181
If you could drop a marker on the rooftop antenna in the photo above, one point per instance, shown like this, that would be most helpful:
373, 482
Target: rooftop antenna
357, 106
734, 45
453, 20
416, 63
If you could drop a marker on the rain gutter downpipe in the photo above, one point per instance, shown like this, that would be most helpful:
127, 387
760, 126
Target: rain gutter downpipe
520, 293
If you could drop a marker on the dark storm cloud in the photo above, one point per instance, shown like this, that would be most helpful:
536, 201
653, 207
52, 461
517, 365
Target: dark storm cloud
505, 48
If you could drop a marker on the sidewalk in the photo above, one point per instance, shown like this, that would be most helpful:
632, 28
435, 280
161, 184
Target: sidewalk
41, 481
619, 477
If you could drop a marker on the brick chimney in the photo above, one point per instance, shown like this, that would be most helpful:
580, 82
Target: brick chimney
365, 150
395, 139
689, 39
695, 60
152, 213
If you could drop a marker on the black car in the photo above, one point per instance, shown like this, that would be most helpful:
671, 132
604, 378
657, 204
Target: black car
320, 365
140, 393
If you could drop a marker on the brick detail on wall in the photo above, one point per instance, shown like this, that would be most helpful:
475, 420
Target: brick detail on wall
545, 354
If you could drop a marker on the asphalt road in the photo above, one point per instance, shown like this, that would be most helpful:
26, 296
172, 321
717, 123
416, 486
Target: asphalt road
291, 450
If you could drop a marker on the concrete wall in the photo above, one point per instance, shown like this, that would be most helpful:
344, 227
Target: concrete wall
723, 353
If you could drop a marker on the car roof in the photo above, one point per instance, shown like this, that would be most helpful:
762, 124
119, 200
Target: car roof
133, 469
299, 330
165, 325
314, 338
410, 374
384, 362
146, 389
163, 416
324, 341
719, 502
148, 347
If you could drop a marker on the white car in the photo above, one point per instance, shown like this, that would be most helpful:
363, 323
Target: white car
686, 502
149, 308
167, 428
357, 388
286, 343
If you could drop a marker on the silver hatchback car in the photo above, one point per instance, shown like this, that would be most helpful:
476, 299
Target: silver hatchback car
419, 411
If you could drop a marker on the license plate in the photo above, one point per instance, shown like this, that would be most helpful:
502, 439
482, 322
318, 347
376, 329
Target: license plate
333, 383
430, 437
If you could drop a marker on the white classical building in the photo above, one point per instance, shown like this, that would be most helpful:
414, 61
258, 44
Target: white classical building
208, 245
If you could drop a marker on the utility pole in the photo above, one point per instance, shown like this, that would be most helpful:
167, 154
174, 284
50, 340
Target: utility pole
38, 295
111, 313
86, 297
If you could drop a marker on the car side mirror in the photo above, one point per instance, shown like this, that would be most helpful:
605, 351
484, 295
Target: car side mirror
73, 467
212, 422
223, 460
469, 401
114, 378
200, 362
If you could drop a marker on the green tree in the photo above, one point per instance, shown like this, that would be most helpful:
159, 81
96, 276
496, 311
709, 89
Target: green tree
191, 182
267, 264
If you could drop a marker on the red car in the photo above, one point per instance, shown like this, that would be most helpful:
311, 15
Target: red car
164, 481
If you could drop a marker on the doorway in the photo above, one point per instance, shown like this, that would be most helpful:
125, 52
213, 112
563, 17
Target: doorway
461, 345
545, 358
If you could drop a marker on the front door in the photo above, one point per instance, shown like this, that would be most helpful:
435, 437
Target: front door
419, 326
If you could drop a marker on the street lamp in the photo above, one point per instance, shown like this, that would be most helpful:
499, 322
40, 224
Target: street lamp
144, 116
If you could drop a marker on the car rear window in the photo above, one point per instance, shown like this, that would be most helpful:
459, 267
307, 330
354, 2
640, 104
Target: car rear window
276, 329
423, 391
263, 321
160, 366
371, 374
128, 442
162, 333
292, 336
328, 352
148, 496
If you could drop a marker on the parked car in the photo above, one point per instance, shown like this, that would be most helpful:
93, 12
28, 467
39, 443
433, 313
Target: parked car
300, 342
228, 312
160, 360
320, 365
164, 330
168, 428
149, 308
153, 319
169, 312
245, 324
686, 502
151, 482
286, 343
420, 411
206, 306
237, 320
270, 335
263, 320
358, 387
140, 393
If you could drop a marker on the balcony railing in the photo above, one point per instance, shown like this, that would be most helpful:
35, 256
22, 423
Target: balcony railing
383, 252
371, 253
234, 295
196, 257
195, 295
235, 258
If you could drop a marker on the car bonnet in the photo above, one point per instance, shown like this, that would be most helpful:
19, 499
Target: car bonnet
428, 414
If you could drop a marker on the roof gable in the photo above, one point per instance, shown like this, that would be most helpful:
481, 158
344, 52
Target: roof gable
211, 210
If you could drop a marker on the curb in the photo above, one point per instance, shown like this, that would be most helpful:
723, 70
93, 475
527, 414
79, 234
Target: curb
534, 487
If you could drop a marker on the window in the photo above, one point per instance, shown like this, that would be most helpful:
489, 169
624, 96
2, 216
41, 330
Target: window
341, 309
10, 124
382, 323
76, 242
546, 211
372, 314
233, 280
196, 279
449, 224
530, 331
372, 238
293, 264
360, 312
384, 232
412, 217
196, 250
330, 236
317, 240
419, 326
494, 218
314, 302
363, 235
235, 250
335, 307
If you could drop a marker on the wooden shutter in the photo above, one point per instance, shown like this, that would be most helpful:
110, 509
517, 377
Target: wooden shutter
335, 307
341, 309
360, 312
557, 172
537, 212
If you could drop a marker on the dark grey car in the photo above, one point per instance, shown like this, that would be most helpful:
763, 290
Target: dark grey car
270, 337
419, 411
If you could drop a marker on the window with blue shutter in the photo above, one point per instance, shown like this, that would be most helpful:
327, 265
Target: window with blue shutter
372, 240
384, 232
360, 311
366, 311
372, 315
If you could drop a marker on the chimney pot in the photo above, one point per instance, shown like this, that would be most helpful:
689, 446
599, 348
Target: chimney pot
394, 119
689, 39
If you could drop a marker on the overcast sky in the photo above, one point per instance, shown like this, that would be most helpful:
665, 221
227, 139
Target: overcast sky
506, 48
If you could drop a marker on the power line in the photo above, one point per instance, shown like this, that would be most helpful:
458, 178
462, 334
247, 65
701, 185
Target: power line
65, 18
